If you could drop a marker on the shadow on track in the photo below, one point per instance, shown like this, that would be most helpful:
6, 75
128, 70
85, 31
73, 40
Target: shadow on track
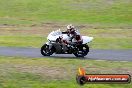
67, 57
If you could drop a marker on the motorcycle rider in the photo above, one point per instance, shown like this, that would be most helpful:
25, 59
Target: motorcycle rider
73, 34
71, 30
77, 39
74, 37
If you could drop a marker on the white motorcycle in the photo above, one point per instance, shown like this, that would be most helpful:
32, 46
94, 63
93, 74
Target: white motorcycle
54, 46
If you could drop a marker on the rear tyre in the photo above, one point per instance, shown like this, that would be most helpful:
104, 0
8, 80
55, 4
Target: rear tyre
45, 51
81, 50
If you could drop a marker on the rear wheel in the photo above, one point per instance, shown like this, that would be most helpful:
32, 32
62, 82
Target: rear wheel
45, 51
81, 50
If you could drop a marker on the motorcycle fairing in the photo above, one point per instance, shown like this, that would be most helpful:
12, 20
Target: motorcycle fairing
56, 34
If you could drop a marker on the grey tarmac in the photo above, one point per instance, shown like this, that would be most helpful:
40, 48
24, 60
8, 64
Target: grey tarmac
94, 54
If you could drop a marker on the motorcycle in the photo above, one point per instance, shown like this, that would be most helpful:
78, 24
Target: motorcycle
54, 46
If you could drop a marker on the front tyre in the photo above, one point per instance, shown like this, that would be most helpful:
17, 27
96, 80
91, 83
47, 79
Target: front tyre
45, 51
81, 50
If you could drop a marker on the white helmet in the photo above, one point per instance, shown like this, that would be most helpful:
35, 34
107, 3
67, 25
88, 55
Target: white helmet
70, 26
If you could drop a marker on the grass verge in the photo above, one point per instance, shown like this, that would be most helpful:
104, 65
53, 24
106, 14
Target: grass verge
35, 37
19, 72
29, 12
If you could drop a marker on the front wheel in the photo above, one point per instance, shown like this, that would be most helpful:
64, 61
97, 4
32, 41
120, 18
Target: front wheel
81, 50
45, 51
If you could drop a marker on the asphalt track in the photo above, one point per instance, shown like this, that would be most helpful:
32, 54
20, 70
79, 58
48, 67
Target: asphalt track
98, 54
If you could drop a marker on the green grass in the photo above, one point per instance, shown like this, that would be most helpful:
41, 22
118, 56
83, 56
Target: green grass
102, 16
21, 72
112, 43
97, 15
28, 12
22, 41
103, 38
38, 41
